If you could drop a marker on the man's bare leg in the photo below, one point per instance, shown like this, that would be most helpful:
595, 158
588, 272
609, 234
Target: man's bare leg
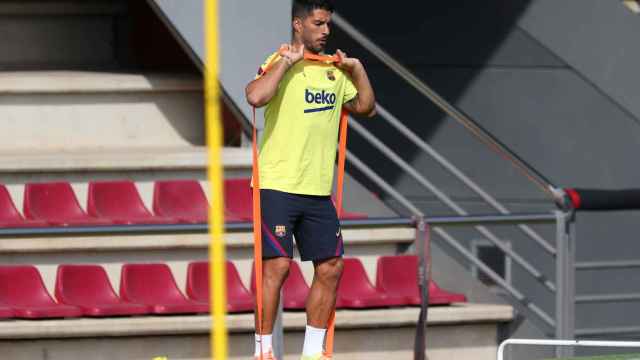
274, 272
322, 297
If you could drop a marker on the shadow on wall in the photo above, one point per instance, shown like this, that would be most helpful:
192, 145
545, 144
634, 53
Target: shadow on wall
447, 44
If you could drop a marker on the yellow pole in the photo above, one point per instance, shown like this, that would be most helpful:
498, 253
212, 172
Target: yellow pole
217, 267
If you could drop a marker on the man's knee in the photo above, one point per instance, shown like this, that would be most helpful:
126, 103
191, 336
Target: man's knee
330, 271
276, 269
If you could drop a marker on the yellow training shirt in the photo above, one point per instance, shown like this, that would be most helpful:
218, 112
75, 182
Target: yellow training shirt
298, 148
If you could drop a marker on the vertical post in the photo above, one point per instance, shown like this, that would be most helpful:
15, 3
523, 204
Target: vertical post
278, 332
213, 123
423, 248
565, 281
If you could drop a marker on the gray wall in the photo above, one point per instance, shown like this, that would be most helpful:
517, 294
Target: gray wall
556, 81
249, 32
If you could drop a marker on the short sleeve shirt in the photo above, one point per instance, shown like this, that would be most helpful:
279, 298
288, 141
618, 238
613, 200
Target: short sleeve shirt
298, 147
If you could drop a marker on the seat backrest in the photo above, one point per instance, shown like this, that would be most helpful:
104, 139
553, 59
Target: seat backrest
198, 281
238, 197
84, 284
398, 275
8, 211
115, 199
295, 285
148, 284
354, 277
180, 198
22, 285
51, 201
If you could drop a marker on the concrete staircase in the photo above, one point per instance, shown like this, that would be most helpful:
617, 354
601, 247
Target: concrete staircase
76, 105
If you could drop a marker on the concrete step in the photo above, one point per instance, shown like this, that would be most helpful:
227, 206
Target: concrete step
460, 331
143, 165
84, 110
45, 34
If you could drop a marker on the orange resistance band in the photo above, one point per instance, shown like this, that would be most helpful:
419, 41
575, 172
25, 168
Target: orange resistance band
257, 213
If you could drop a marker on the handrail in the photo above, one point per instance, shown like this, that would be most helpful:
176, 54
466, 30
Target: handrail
531, 173
460, 175
518, 300
373, 140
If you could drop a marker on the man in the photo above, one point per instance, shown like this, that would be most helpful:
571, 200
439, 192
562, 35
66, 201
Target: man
297, 158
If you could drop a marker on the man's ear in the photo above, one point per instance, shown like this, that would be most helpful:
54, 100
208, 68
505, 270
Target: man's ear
297, 25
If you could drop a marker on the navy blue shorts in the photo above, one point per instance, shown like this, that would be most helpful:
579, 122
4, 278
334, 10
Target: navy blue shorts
312, 220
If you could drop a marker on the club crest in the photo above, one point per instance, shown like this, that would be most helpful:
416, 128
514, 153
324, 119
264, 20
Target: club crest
331, 75
281, 230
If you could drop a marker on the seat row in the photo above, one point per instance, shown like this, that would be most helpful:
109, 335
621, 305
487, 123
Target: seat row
119, 202
85, 290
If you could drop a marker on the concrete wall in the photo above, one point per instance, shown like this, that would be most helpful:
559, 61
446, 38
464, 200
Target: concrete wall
249, 32
554, 80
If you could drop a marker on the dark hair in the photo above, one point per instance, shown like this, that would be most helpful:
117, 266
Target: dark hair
303, 8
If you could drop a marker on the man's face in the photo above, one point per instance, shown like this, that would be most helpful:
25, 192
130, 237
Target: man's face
314, 30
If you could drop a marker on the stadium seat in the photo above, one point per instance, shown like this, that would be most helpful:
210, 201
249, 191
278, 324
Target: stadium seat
153, 285
239, 299
88, 287
180, 199
9, 215
349, 215
6, 312
356, 291
120, 202
294, 290
238, 199
56, 203
22, 289
398, 275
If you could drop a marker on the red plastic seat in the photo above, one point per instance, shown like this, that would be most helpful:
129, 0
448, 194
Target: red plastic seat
56, 203
22, 289
350, 215
398, 275
180, 199
239, 299
356, 291
6, 312
120, 202
9, 215
294, 290
238, 200
88, 287
153, 285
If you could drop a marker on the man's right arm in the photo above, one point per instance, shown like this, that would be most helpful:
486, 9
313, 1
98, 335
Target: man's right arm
261, 90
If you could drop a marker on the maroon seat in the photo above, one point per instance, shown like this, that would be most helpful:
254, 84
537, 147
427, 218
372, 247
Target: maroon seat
56, 203
180, 199
153, 285
294, 290
239, 299
6, 312
238, 200
22, 289
88, 287
398, 275
9, 215
356, 291
120, 202
349, 215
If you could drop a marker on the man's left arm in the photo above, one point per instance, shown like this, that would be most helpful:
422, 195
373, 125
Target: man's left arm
365, 102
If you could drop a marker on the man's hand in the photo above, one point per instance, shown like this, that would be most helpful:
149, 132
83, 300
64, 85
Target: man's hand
261, 90
346, 63
364, 103
292, 54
